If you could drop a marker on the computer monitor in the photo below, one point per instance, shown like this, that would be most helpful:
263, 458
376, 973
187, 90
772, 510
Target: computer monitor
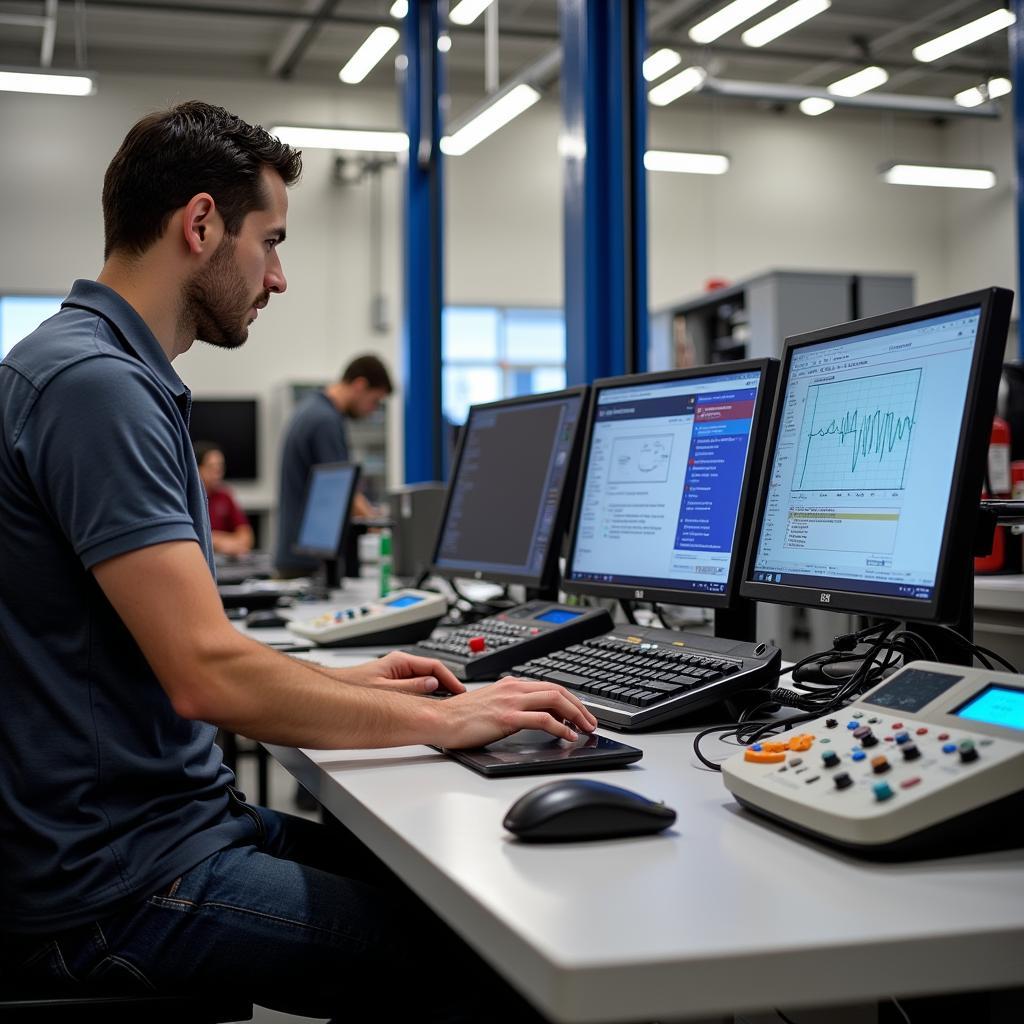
505, 510
325, 513
875, 461
667, 483
231, 424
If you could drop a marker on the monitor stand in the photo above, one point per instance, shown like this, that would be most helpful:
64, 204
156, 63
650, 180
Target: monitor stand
737, 622
325, 579
945, 647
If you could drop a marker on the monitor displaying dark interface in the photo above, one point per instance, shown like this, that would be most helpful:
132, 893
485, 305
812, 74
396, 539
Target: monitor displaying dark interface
664, 490
876, 458
229, 423
505, 511
326, 511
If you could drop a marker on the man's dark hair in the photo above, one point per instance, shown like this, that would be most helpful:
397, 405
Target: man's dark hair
170, 156
372, 370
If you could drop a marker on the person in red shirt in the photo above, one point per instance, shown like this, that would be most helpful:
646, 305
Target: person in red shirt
232, 534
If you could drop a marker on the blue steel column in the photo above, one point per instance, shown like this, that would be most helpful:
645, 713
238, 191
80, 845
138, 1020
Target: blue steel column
424, 244
1017, 75
604, 137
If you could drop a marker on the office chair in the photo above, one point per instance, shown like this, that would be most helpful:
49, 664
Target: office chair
152, 1009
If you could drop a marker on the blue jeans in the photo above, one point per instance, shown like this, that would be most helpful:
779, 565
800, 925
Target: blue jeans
302, 919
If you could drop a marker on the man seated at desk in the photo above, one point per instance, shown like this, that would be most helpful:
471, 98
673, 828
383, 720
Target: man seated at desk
128, 860
229, 527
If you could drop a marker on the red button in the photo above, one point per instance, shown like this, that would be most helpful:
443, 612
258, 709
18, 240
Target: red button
921, 731
943, 736
897, 725
477, 644
907, 783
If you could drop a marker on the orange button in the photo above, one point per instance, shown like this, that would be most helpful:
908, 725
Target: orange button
763, 756
801, 742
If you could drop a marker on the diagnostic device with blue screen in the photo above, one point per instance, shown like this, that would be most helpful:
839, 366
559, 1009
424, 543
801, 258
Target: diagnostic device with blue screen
876, 461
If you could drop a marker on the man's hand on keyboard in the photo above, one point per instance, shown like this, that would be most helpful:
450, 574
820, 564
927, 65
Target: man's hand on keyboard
493, 712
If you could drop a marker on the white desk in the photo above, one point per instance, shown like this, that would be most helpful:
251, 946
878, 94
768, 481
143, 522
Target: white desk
721, 914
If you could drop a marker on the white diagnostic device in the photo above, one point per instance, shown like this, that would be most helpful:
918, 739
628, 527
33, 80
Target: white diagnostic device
400, 618
927, 763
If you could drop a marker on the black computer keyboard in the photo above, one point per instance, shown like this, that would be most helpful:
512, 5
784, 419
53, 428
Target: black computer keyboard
493, 645
636, 677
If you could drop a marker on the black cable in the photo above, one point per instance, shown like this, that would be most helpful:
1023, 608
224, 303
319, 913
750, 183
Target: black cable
783, 1017
903, 1013
627, 610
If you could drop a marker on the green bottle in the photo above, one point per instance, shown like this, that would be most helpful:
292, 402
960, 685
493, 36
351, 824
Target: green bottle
385, 562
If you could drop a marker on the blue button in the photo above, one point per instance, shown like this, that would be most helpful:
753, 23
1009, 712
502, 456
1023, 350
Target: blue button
949, 748
757, 746
882, 791
903, 737
859, 755
852, 725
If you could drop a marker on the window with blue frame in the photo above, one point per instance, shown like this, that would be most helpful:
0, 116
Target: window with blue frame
20, 315
491, 352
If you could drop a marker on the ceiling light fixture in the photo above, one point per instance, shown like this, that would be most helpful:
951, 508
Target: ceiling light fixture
786, 20
860, 82
676, 86
366, 58
352, 139
468, 11
685, 163
660, 62
53, 83
725, 20
815, 105
496, 114
938, 177
444, 42
399, 9
964, 35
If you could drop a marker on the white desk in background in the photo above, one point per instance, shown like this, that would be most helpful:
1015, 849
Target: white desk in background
721, 914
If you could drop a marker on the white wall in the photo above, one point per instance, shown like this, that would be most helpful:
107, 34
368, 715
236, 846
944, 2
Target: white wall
802, 193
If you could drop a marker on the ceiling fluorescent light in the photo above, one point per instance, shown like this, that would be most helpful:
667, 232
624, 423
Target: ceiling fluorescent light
725, 20
964, 36
494, 116
999, 87
444, 42
53, 83
860, 82
468, 11
938, 177
815, 105
356, 140
366, 58
685, 163
676, 86
660, 62
972, 97
788, 18
399, 9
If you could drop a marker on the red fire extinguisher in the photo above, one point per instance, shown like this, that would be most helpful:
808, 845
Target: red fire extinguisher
999, 485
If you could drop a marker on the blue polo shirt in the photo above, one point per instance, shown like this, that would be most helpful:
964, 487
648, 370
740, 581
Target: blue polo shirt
106, 794
315, 434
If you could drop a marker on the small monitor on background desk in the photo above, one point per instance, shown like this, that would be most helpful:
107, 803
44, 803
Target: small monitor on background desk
326, 513
876, 459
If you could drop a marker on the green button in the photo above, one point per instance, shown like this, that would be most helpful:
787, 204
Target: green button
824, 739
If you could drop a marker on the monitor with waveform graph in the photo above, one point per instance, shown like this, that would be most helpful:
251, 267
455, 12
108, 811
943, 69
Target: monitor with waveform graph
875, 461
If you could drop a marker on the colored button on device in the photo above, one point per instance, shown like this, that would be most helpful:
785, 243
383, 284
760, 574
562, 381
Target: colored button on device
902, 737
763, 756
912, 781
858, 755
830, 759
842, 780
880, 765
968, 752
910, 752
882, 791
830, 723
477, 644
861, 731
949, 748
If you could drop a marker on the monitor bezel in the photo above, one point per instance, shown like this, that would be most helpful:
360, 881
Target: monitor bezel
346, 519
768, 369
549, 573
957, 547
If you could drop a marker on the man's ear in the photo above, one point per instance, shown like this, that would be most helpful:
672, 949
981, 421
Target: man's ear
201, 224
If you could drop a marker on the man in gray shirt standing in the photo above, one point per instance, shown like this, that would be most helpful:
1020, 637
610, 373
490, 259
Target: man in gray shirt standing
128, 861
315, 434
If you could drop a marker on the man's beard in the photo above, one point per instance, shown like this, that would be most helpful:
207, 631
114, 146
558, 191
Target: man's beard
216, 302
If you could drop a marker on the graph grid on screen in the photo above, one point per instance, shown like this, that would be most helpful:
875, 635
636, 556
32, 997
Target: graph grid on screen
857, 433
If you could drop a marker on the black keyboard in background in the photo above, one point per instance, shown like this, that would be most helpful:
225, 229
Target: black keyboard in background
493, 645
636, 677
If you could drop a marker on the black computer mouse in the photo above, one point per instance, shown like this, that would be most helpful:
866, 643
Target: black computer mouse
265, 619
574, 809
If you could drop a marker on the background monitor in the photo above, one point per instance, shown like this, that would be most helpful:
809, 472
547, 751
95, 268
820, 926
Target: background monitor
875, 461
506, 504
325, 513
665, 490
230, 423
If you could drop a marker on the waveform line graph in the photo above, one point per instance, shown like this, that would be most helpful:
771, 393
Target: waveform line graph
857, 433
